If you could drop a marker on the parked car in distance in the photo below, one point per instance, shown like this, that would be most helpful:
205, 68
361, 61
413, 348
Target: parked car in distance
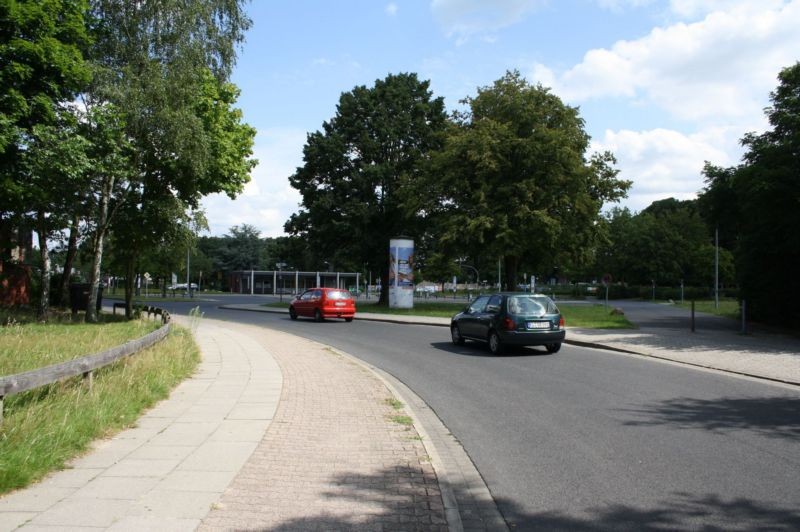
506, 319
181, 286
322, 303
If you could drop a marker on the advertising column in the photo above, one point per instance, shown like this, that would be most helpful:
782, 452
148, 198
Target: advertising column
401, 273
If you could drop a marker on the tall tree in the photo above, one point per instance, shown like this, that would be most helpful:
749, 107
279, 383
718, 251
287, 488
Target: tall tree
758, 202
166, 65
54, 165
357, 172
514, 181
41, 71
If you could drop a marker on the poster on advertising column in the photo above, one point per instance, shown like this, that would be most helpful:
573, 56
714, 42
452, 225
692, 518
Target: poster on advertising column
401, 273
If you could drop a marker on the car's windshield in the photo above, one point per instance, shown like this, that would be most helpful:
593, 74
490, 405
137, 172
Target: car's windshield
530, 304
339, 294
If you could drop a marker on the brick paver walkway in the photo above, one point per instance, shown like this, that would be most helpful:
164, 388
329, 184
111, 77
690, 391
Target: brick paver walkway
337, 455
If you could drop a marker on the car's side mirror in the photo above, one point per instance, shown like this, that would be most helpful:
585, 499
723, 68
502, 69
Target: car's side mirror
297, 298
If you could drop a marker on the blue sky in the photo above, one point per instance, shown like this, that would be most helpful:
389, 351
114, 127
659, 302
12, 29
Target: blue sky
664, 85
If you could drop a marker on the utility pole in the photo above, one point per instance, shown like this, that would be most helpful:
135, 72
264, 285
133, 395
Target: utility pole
716, 268
188, 284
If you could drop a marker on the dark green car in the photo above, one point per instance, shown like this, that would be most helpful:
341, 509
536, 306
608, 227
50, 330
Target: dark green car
513, 319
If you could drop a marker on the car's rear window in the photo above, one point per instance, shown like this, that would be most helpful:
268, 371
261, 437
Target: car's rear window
525, 305
339, 294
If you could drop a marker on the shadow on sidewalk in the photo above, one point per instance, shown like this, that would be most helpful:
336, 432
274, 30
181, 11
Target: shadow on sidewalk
407, 508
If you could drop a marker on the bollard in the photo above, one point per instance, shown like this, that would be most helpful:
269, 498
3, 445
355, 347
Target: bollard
692, 315
744, 316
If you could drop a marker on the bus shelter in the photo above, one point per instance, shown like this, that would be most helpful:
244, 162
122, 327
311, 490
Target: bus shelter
277, 282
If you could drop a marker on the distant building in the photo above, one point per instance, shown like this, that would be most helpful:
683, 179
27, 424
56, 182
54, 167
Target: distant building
16, 248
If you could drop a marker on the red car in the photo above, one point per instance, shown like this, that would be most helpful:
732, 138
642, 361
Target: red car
321, 303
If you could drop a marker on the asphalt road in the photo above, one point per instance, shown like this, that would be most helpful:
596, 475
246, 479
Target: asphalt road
591, 440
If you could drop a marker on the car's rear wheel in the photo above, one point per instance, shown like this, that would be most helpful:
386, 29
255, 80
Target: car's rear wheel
348, 320
553, 348
495, 345
317, 315
292, 313
455, 335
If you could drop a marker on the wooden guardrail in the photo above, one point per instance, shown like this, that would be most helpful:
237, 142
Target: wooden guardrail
22, 382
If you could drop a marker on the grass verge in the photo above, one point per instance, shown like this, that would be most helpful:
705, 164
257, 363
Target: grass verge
728, 308
29, 346
44, 428
585, 316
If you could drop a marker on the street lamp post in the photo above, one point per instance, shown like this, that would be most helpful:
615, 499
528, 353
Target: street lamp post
280, 266
474, 269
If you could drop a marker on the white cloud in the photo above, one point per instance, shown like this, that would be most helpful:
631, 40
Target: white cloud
268, 200
695, 8
719, 68
666, 163
391, 9
465, 18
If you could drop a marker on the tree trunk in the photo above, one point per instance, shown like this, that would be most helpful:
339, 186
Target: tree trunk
511, 264
72, 251
97, 248
383, 300
130, 276
44, 302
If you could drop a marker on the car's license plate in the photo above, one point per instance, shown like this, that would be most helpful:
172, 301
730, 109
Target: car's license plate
340, 303
538, 325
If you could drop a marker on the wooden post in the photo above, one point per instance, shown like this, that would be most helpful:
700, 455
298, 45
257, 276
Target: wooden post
88, 378
1, 409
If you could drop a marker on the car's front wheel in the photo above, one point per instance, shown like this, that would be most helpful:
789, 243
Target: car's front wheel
317, 315
455, 335
292, 313
553, 348
495, 345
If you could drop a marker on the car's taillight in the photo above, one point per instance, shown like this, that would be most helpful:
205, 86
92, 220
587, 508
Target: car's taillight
561, 322
509, 324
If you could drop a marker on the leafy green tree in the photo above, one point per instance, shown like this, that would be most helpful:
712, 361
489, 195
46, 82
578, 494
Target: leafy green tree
41, 71
244, 249
53, 166
166, 65
757, 202
668, 242
42, 68
514, 180
358, 171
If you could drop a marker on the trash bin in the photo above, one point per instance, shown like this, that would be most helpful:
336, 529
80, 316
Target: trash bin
79, 296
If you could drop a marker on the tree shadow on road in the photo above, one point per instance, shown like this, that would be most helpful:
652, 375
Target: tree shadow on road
681, 511
776, 417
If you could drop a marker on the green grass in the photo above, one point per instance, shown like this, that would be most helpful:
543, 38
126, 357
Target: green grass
403, 420
394, 403
585, 316
728, 308
44, 428
29, 346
